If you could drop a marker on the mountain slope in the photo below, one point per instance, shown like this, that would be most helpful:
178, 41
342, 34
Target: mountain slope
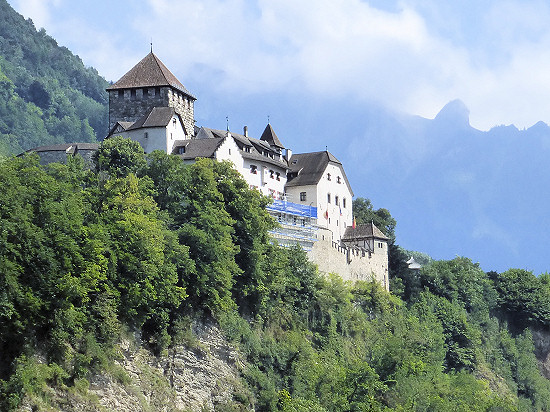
48, 95
481, 194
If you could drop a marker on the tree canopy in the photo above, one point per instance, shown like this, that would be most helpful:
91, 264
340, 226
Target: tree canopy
47, 95
364, 213
149, 244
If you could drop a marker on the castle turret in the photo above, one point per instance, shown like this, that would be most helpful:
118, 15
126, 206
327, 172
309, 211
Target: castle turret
149, 84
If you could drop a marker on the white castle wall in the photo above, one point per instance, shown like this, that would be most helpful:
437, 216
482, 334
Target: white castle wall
350, 263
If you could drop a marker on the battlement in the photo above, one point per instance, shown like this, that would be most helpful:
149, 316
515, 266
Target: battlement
351, 262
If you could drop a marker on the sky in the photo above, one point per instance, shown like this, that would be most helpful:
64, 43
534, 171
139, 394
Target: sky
336, 73
412, 56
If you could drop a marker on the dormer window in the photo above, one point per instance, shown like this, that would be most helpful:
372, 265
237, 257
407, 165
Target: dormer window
181, 150
328, 176
247, 149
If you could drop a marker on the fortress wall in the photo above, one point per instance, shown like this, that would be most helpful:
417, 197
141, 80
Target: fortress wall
350, 263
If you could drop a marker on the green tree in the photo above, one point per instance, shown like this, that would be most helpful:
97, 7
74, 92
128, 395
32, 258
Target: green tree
250, 234
118, 157
204, 225
364, 213
147, 255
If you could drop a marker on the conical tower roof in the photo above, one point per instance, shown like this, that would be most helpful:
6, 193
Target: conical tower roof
270, 137
149, 72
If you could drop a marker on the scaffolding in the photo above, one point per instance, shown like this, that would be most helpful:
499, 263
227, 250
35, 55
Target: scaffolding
297, 224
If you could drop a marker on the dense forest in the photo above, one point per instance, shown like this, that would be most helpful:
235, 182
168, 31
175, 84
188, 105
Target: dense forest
47, 96
148, 244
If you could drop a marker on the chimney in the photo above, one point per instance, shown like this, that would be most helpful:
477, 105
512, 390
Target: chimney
246, 131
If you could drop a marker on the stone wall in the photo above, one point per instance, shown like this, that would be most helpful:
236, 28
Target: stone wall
185, 107
134, 103
60, 156
350, 263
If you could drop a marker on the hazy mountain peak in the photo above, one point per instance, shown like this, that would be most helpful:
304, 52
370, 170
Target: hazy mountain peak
454, 113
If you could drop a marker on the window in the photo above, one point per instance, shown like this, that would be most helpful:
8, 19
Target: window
278, 176
328, 176
157, 91
145, 92
380, 245
146, 135
271, 174
229, 150
247, 149
338, 180
328, 197
344, 202
302, 196
121, 94
133, 93
336, 200
253, 169
181, 150
174, 122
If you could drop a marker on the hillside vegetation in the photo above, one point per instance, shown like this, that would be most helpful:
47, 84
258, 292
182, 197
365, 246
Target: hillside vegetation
46, 94
150, 245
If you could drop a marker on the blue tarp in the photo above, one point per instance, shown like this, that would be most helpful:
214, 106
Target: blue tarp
293, 209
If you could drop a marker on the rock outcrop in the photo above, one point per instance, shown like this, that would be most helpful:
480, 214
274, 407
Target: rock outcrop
199, 376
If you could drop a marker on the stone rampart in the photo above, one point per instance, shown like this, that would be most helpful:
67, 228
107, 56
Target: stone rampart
351, 263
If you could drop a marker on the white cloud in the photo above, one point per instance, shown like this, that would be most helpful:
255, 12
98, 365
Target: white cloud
349, 48
38, 10
414, 57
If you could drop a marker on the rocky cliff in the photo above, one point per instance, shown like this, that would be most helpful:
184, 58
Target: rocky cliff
202, 375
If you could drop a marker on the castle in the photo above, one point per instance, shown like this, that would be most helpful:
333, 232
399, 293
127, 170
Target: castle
312, 197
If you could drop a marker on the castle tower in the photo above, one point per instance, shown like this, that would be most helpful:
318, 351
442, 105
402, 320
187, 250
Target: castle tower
149, 84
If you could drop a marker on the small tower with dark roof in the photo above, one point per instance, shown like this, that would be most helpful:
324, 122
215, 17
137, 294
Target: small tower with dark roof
271, 138
150, 84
